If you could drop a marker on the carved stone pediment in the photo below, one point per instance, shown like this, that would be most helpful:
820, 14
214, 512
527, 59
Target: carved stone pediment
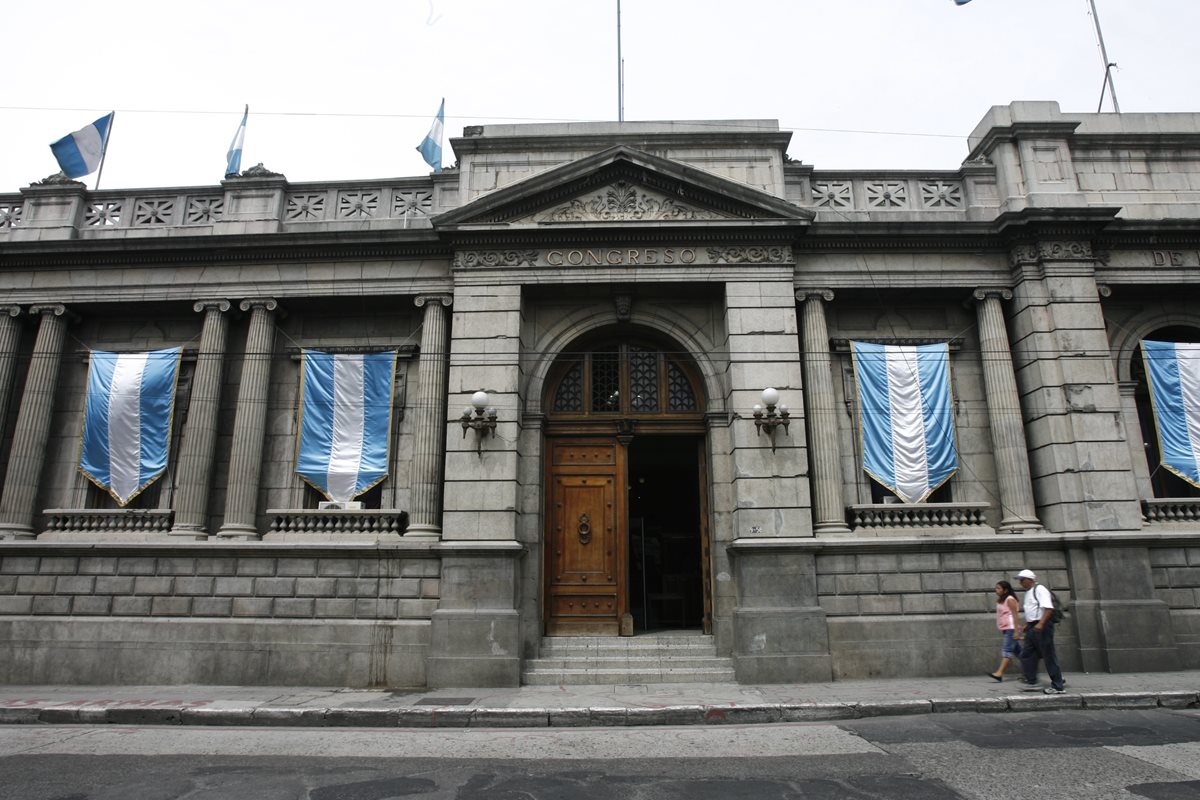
623, 201
621, 184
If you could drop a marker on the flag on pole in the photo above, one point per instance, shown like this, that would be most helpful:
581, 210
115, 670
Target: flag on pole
345, 421
430, 147
81, 152
1173, 371
907, 429
233, 157
127, 419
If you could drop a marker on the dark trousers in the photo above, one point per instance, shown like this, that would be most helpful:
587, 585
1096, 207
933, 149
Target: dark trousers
1040, 644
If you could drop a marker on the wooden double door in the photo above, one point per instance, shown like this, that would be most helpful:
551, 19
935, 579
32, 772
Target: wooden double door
587, 538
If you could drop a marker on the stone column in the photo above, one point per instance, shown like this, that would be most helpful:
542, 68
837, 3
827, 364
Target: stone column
33, 424
10, 339
200, 435
1018, 514
429, 422
829, 509
245, 458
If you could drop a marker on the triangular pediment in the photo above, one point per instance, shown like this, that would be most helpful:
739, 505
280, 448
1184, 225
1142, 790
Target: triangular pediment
622, 185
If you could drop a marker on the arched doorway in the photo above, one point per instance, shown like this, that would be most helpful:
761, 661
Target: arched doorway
626, 523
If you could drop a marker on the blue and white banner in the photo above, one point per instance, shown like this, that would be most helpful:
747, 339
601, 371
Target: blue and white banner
127, 419
907, 428
233, 156
81, 152
430, 147
345, 421
1173, 370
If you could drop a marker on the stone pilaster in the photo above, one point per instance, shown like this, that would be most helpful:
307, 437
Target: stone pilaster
829, 509
200, 434
1018, 514
245, 458
429, 421
10, 340
475, 632
1079, 455
33, 424
1137, 443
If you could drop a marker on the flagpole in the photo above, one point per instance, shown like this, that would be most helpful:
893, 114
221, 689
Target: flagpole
620, 70
104, 150
1108, 65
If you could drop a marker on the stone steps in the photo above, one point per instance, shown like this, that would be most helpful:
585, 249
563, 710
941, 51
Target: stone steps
653, 658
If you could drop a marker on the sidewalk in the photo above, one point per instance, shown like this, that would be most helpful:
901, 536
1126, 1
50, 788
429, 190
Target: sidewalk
578, 706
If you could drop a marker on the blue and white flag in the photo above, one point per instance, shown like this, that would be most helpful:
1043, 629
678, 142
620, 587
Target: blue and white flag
233, 157
430, 147
907, 429
81, 152
345, 421
127, 419
961, 2
1173, 370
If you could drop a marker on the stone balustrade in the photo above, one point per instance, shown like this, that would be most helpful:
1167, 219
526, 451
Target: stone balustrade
1172, 509
867, 518
118, 520
327, 522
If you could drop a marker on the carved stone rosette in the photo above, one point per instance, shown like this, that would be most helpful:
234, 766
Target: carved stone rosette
472, 259
750, 255
1066, 250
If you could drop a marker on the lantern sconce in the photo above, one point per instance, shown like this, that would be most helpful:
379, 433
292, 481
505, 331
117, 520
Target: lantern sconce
479, 417
775, 415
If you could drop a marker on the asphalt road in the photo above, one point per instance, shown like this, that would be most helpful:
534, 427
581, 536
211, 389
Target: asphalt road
1047, 755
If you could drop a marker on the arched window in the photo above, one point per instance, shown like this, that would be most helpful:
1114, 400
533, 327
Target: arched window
622, 379
1164, 482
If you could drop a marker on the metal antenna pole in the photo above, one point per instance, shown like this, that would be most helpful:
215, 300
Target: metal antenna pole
112, 123
620, 70
1108, 65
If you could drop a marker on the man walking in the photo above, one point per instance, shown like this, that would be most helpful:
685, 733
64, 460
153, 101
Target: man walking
1039, 636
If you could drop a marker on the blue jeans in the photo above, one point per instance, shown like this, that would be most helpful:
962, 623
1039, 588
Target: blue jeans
1040, 644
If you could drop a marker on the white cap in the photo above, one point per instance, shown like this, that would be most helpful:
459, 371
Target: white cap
1026, 573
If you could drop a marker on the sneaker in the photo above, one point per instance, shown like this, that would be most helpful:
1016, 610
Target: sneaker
1031, 687
1053, 690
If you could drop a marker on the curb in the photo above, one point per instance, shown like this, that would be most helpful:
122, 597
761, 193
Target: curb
458, 717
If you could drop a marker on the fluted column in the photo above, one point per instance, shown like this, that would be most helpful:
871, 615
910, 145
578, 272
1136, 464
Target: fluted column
1018, 513
245, 457
829, 510
429, 422
10, 340
33, 424
200, 435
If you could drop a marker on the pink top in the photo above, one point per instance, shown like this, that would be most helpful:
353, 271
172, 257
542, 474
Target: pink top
1004, 616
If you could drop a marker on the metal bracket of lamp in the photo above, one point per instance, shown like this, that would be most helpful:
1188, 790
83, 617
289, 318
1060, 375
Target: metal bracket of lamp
774, 416
479, 417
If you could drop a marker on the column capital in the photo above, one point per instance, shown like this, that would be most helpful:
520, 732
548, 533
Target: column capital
445, 299
266, 303
212, 305
10, 310
57, 309
999, 292
819, 294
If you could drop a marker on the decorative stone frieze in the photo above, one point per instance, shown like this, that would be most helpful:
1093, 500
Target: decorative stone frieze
623, 201
471, 259
750, 255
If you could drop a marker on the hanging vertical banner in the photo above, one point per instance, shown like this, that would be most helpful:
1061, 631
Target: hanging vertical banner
127, 419
907, 429
1173, 371
345, 421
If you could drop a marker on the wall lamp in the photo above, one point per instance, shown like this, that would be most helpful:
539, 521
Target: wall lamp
775, 415
479, 417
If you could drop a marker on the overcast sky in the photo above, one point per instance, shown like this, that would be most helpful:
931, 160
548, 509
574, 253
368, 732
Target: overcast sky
346, 90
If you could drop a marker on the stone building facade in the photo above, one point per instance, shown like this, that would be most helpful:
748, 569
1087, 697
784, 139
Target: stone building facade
623, 293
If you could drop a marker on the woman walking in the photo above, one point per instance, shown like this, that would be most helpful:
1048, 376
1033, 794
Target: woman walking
1006, 621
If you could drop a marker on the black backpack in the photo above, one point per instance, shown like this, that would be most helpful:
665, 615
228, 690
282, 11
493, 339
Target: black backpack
1059, 611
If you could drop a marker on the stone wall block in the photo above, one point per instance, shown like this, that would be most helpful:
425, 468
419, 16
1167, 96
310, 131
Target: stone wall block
98, 565
274, 587
152, 585
136, 565
59, 565
212, 606
75, 584
903, 583
225, 587
840, 605
929, 603
294, 607
962, 561
358, 587
942, 582
177, 566
919, 562
51, 605
131, 606
95, 605
256, 566
316, 587
171, 606
252, 606
856, 584
1169, 557
376, 608
296, 567
340, 608
194, 585
216, 566
879, 604
19, 604
36, 584
338, 567
18, 565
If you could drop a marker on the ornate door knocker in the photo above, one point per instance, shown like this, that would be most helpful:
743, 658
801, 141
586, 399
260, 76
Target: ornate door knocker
585, 529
